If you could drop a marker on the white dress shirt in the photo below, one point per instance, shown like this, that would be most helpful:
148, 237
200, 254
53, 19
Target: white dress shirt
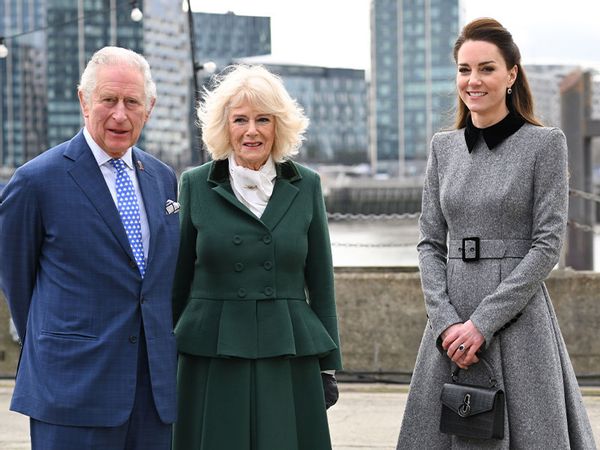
110, 176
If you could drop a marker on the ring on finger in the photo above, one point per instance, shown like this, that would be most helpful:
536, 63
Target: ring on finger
461, 347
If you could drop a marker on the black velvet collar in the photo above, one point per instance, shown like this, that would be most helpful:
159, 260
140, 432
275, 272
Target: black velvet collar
219, 171
492, 135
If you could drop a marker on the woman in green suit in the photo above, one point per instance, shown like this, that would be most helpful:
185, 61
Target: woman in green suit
254, 304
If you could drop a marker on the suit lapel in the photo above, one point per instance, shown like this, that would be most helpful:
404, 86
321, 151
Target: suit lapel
284, 191
224, 190
87, 175
151, 197
219, 177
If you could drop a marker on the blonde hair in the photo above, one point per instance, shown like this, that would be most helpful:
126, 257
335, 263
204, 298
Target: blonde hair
261, 89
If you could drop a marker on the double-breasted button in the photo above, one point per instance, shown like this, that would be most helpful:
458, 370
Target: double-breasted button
241, 292
268, 265
238, 267
237, 240
268, 291
133, 339
266, 239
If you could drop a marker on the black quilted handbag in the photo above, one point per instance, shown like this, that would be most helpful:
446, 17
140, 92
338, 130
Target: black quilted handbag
472, 411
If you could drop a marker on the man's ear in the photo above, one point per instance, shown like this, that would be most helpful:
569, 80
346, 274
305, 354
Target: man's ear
84, 106
149, 111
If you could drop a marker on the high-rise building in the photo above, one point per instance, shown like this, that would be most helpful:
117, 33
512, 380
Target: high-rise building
39, 106
222, 37
22, 84
166, 46
412, 80
335, 101
76, 30
544, 82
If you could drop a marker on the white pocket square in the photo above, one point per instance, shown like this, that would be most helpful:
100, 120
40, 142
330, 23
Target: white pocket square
171, 207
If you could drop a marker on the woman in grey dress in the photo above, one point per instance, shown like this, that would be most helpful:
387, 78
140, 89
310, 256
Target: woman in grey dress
499, 177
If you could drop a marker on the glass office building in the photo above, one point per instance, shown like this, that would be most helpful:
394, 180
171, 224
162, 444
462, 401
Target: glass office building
412, 80
39, 106
335, 101
222, 37
85, 26
166, 46
22, 84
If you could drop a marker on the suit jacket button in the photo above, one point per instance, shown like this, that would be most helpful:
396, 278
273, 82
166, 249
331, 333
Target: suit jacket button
268, 291
133, 339
238, 267
241, 292
237, 240
266, 239
268, 265
132, 264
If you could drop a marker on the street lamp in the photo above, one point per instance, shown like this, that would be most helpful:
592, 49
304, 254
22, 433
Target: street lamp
3, 48
208, 67
136, 13
202, 73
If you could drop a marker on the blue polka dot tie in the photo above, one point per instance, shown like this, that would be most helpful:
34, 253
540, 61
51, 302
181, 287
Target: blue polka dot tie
129, 210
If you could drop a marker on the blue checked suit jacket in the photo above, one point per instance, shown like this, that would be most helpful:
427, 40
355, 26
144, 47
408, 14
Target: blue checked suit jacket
75, 294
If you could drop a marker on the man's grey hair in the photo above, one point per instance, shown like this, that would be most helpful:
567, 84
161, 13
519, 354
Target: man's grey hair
116, 56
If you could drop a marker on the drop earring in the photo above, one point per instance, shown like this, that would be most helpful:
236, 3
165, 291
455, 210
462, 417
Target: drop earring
509, 91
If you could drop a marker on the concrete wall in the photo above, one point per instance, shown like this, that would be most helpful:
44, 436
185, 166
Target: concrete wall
382, 318
9, 349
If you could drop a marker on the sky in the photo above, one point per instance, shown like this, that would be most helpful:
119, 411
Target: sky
335, 33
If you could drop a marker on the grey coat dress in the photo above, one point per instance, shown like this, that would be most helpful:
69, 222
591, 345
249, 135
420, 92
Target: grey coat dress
514, 198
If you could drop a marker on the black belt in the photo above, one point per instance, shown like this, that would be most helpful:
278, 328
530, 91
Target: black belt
474, 248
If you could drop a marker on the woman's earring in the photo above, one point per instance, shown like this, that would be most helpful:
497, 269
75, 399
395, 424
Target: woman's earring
509, 91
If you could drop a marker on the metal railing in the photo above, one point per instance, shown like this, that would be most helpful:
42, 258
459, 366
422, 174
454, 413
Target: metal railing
415, 215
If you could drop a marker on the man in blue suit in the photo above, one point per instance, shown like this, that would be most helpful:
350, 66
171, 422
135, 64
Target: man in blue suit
88, 243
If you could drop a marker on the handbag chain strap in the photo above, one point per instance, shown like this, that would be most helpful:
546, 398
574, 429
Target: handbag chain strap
492, 380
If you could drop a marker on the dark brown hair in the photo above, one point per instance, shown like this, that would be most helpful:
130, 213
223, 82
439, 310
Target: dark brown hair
490, 30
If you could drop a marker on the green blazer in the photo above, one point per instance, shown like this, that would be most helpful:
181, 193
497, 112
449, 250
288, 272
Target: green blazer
255, 288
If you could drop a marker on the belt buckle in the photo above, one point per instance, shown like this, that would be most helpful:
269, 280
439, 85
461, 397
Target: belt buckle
472, 252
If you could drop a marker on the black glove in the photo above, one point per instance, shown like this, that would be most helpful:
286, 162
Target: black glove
330, 388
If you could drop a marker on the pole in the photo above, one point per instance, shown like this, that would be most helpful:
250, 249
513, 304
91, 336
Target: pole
195, 158
575, 95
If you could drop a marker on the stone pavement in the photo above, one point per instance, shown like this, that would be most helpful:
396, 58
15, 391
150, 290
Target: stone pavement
367, 416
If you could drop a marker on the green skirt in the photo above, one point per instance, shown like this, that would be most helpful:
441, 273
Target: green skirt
246, 404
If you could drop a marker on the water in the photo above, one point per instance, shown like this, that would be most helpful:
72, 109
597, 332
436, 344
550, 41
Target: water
387, 243
375, 243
